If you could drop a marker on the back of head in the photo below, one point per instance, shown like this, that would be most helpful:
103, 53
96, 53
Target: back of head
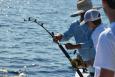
109, 7
111, 3
97, 22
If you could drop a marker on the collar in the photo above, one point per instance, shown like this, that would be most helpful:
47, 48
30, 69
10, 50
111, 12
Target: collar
113, 25
101, 25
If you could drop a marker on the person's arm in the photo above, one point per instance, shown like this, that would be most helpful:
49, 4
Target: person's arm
106, 73
70, 46
67, 35
87, 44
70, 32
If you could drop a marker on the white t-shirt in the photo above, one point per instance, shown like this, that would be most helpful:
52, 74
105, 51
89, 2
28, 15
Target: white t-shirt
105, 50
96, 33
95, 36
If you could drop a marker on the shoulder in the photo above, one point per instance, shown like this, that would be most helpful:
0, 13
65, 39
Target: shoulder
104, 35
105, 32
100, 29
75, 23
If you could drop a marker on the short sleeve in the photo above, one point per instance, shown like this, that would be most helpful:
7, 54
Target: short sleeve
105, 57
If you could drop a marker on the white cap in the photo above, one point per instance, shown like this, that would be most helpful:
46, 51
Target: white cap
91, 15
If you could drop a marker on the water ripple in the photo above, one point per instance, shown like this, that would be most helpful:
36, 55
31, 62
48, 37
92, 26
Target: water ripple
25, 44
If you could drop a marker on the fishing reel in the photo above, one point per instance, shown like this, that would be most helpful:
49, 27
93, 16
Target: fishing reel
78, 62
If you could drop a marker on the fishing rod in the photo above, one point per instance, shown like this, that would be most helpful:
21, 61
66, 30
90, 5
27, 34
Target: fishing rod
60, 46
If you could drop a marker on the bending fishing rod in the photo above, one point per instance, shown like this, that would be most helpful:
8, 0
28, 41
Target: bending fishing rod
60, 46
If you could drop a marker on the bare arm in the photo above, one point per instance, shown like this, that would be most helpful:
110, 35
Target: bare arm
72, 46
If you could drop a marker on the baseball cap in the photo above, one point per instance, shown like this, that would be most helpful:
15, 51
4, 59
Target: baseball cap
91, 15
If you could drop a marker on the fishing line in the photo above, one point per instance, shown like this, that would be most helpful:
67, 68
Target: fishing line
60, 46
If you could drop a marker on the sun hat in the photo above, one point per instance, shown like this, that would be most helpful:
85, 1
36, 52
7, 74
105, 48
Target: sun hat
83, 6
91, 15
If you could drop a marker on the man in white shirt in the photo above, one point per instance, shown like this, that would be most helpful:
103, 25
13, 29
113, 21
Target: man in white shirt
93, 18
105, 51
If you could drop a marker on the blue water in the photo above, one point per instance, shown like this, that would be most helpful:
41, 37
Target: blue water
27, 44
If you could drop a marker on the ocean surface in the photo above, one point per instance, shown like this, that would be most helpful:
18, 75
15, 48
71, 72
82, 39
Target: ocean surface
26, 46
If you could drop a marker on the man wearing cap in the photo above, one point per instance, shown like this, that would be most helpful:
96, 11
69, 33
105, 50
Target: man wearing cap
105, 55
81, 33
93, 19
